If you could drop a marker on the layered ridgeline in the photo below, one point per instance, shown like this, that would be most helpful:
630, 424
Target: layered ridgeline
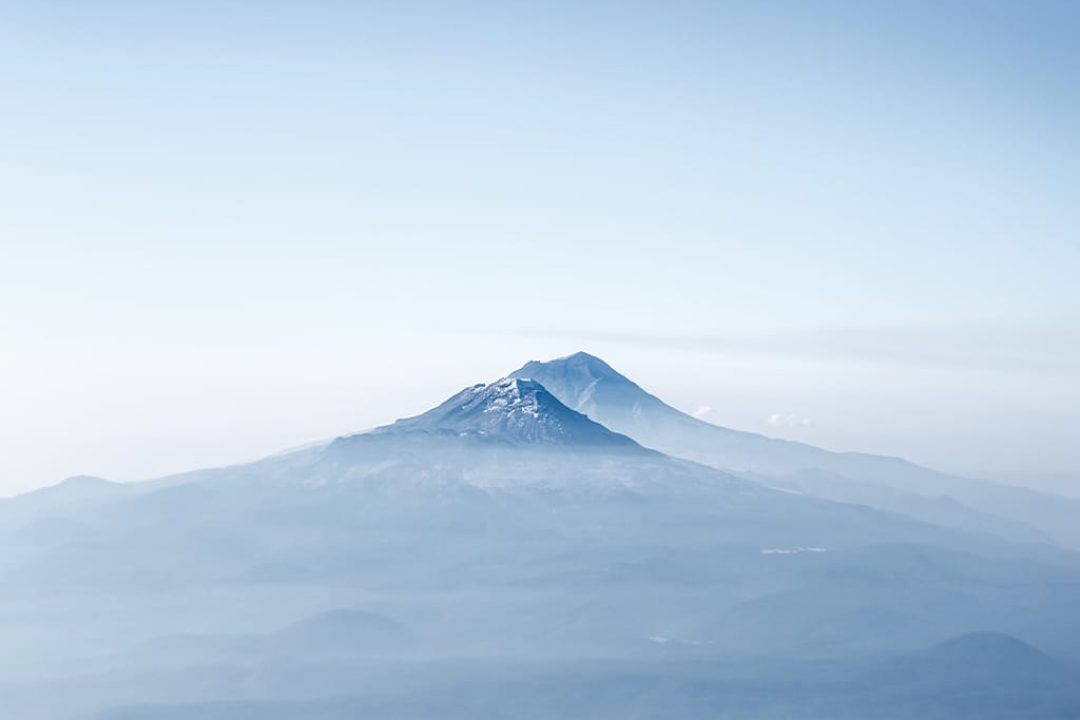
591, 386
505, 554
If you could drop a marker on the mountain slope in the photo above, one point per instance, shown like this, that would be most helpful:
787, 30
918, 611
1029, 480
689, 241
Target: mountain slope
589, 385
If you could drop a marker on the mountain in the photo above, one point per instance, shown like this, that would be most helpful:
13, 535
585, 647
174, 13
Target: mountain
591, 386
505, 434
501, 555
513, 410
987, 654
36, 513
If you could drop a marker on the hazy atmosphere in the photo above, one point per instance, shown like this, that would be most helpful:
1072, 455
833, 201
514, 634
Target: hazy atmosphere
539, 360
230, 228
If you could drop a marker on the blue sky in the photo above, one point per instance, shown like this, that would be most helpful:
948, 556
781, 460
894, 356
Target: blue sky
229, 226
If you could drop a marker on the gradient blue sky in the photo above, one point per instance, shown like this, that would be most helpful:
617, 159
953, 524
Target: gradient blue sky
229, 227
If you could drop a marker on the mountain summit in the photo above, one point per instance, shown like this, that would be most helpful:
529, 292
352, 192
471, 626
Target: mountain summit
589, 385
517, 410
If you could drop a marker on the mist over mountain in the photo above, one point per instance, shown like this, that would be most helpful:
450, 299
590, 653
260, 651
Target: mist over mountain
591, 386
511, 552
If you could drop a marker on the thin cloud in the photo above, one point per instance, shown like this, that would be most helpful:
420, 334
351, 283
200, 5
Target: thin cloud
1015, 349
789, 420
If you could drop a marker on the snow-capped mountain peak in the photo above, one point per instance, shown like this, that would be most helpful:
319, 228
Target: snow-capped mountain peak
510, 395
513, 409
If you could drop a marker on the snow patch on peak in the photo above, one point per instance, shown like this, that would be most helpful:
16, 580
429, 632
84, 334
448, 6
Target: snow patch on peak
510, 395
